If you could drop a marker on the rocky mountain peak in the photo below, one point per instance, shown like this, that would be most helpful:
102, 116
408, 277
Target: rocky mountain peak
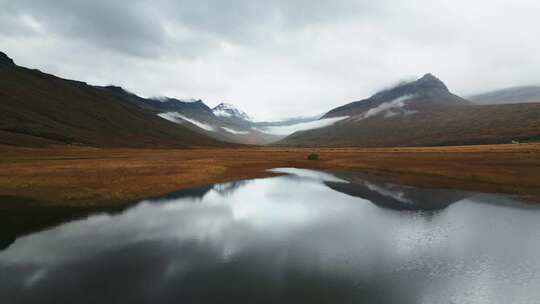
229, 110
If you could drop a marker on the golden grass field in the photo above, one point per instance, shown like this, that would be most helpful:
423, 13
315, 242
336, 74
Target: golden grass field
92, 177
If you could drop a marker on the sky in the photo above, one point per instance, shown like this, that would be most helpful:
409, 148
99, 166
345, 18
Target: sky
276, 58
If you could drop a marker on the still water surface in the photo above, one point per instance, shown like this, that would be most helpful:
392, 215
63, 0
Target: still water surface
310, 237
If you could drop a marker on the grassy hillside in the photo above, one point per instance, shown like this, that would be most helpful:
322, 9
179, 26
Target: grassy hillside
37, 109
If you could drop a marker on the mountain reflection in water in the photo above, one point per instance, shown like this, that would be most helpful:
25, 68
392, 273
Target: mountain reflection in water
309, 237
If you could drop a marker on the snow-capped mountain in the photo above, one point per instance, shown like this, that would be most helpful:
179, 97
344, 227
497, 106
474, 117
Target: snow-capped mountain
230, 111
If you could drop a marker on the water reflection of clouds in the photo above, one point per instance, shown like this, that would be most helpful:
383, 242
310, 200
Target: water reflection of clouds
285, 231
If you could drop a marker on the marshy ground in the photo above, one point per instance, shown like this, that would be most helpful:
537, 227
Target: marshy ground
79, 176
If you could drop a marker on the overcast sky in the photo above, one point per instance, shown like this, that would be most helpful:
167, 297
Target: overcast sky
276, 58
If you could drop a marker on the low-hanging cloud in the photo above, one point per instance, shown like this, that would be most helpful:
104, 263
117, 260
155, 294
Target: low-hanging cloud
233, 131
179, 118
390, 108
290, 129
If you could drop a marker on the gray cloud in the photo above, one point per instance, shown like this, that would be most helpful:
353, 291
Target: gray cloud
145, 28
127, 26
275, 57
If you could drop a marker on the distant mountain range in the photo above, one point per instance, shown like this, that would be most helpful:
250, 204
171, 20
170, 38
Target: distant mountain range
231, 125
421, 113
224, 122
522, 94
39, 109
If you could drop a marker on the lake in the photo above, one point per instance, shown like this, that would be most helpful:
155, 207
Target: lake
307, 237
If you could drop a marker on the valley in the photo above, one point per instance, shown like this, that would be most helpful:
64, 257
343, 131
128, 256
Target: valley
69, 143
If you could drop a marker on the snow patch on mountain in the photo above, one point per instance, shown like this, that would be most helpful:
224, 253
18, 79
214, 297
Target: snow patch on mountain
288, 130
234, 131
179, 118
228, 110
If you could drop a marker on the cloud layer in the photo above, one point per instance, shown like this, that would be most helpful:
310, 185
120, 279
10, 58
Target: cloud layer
275, 58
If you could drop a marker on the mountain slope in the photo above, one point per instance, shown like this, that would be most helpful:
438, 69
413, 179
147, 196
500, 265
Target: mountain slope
422, 113
522, 94
40, 109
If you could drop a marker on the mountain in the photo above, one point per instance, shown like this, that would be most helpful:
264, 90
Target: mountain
426, 92
39, 109
421, 113
522, 94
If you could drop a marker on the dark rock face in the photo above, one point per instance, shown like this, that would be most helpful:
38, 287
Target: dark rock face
4, 59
